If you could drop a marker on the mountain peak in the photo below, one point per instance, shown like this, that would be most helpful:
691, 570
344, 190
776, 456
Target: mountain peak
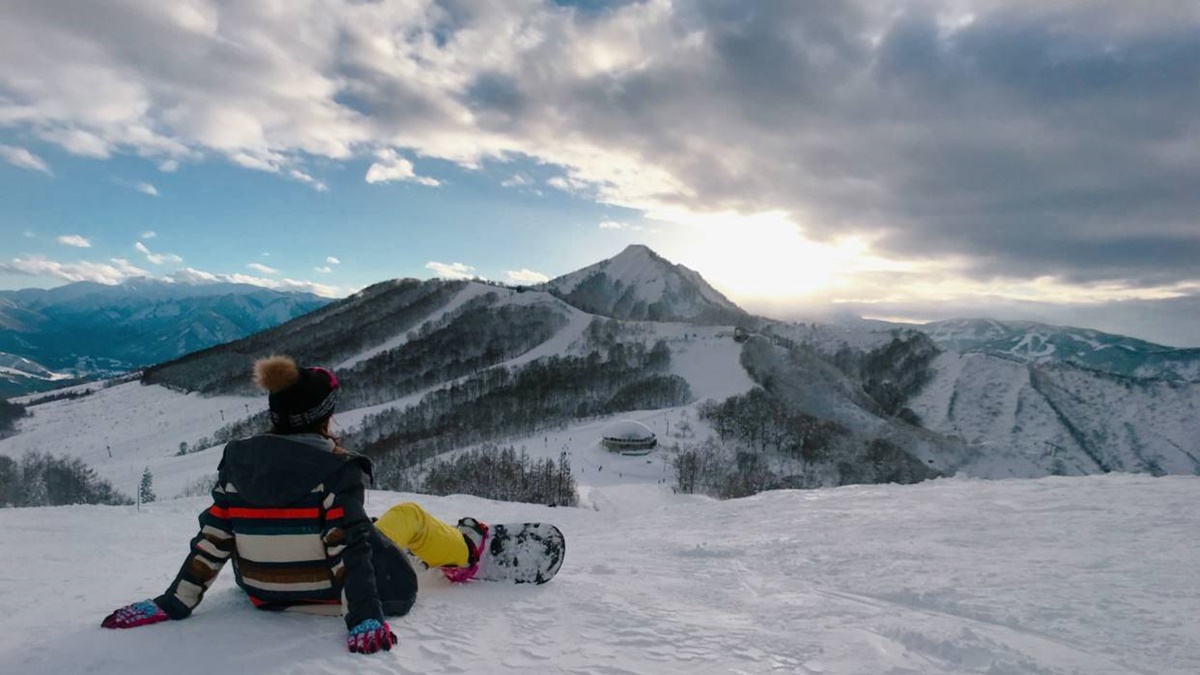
639, 284
637, 250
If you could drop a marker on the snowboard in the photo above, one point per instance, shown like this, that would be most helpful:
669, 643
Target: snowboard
522, 553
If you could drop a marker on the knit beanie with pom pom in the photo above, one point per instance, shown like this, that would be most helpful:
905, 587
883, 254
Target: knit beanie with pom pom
298, 396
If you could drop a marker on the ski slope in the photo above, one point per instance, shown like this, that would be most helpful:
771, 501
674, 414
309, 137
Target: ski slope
1060, 575
120, 431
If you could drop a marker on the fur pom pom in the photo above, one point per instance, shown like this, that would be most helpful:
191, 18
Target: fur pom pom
275, 373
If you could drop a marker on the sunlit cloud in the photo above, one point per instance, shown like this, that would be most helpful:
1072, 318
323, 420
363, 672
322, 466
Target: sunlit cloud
114, 271
390, 166
618, 225
333, 261
308, 180
146, 188
149, 234
195, 276
156, 258
262, 269
324, 270
451, 270
572, 185
527, 276
74, 240
24, 159
78, 142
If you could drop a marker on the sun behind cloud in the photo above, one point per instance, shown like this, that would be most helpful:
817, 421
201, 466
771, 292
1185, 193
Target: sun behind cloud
764, 256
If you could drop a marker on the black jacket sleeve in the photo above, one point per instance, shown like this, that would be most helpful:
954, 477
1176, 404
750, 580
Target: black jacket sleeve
346, 534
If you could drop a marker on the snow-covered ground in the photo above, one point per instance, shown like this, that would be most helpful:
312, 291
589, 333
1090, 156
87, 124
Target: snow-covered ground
120, 431
1059, 575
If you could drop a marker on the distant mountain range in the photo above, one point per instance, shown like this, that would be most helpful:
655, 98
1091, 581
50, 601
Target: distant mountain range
1032, 342
432, 366
84, 330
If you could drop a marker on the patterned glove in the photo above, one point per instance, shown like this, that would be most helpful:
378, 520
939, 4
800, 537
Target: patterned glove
370, 636
137, 614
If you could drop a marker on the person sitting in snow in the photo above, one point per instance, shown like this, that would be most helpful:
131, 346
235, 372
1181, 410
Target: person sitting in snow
288, 510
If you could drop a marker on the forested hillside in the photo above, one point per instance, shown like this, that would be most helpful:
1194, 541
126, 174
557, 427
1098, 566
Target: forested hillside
501, 402
816, 420
326, 336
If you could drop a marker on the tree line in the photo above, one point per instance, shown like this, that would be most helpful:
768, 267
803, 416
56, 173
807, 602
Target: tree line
9, 414
502, 474
761, 421
763, 443
41, 479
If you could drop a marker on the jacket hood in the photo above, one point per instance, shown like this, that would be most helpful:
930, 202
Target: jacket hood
270, 469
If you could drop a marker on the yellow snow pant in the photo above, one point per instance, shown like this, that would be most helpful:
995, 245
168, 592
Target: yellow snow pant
411, 527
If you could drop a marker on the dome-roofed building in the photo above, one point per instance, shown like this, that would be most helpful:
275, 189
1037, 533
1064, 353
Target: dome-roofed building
629, 438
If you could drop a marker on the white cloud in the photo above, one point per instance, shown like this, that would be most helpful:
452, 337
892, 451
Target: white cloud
114, 272
333, 261
527, 276
518, 180
168, 166
451, 270
595, 187
78, 142
309, 180
75, 240
146, 188
262, 269
618, 225
149, 234
156, 258
269, 163
392, 167
195, 276
324, 270
23, 158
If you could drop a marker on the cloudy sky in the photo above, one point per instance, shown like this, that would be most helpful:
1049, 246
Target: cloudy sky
900, 159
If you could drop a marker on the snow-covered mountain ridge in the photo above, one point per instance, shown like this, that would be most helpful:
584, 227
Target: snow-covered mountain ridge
998, 415
405, 346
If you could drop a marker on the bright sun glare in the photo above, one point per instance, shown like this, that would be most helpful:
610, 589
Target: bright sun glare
764, 256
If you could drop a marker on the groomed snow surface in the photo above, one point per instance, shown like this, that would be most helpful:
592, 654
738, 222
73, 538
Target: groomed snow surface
1058, 575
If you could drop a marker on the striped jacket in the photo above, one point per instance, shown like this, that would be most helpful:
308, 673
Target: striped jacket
289, 513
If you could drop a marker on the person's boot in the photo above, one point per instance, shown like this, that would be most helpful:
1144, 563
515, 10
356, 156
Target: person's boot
475, 534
